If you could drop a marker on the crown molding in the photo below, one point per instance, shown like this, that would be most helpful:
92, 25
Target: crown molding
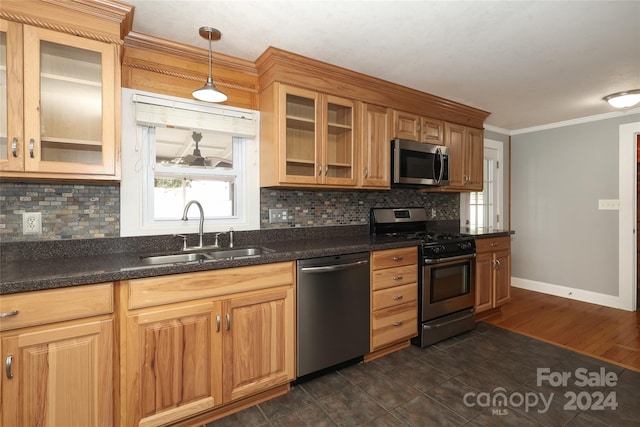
578, 121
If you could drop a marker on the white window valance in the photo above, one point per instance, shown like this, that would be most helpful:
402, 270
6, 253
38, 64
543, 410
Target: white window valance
155, 111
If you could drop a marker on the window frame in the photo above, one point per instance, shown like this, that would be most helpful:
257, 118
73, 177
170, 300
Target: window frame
138, 171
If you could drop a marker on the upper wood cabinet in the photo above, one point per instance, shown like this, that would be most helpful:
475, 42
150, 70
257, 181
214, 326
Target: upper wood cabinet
466, 157
58, 114
307, 138
375, 149
417, 128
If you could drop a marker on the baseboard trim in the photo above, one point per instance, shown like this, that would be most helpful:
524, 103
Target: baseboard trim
612, 301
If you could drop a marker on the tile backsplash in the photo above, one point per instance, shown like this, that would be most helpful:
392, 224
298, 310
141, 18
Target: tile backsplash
307, 208
69, 211
85, 211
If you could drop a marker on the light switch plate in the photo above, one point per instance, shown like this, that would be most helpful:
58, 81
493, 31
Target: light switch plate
609, 204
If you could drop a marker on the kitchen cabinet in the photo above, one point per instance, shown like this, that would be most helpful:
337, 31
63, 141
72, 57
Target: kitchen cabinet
394, 296
417, 128
307, 138
197, 341
58, 354
493, 272
60, 105
466, 157
375, 158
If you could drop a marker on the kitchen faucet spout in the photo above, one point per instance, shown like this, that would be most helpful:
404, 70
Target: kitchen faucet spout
201, 227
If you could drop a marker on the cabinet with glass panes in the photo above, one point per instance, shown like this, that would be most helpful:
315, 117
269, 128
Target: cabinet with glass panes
307, 138
57, 105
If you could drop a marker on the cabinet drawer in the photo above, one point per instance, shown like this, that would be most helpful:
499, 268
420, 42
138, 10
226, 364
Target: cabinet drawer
394, 324
55, 305
493, 244
394, 257
161, 290
382, 279
395, 296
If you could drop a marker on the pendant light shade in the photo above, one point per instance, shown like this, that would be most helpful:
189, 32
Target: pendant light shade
209, 92
625, 99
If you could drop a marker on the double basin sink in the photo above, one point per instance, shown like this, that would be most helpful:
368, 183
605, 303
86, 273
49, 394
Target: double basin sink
216, 255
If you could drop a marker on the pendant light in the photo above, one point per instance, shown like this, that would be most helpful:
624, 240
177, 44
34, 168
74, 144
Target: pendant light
625, 99
209, 92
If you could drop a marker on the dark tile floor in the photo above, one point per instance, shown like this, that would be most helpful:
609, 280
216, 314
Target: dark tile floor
462, 381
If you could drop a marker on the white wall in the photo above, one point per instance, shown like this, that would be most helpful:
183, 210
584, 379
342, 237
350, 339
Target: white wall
565, 245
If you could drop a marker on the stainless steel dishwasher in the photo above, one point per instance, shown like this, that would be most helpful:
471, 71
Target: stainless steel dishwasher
333, 311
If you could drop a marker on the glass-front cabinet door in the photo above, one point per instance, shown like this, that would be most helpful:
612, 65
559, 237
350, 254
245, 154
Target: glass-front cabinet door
318, 138
300, 163
338, 149
57, 104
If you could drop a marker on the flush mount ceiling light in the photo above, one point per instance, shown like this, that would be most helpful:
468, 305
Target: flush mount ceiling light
209, 92
625, 99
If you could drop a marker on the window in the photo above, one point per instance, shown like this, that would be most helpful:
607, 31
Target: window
483, 209
176, 150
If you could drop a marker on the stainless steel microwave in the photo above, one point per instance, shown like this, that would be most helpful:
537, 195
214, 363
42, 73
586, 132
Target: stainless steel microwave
418, 164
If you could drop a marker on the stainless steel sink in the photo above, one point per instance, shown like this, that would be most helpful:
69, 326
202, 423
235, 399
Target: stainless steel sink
239, 253
250, 252
174, 259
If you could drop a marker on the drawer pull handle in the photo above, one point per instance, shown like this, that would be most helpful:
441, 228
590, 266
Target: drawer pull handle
494, 244
31, 148
398, 297
397, 258
400, 323
9, 313
217, 323
14, 147
228, 321
398, 277
7, 367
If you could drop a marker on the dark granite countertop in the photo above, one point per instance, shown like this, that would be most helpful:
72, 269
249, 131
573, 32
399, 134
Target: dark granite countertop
481, 233
22, 273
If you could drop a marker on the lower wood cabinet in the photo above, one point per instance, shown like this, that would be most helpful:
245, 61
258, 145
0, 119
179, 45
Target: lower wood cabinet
59, 370
183, 359
394, 296
493, 272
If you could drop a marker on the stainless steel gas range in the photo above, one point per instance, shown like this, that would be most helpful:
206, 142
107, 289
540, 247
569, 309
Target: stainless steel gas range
446, 278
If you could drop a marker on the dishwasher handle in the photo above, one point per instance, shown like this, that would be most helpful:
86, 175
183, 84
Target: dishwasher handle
337, 267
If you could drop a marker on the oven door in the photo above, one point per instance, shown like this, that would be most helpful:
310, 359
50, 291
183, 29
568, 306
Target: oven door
447, 286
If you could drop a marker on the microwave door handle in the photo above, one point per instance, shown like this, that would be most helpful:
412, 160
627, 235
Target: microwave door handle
441, 158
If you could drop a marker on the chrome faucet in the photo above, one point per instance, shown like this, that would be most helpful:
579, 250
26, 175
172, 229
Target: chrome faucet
201, 227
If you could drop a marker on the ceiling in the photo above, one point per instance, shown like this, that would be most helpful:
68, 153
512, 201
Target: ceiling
529, 63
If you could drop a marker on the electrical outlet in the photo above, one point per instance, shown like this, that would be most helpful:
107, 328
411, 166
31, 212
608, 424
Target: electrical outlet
277, 216
433, 212
31, 223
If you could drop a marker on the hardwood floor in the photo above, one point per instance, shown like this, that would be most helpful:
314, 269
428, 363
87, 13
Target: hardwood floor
601, 332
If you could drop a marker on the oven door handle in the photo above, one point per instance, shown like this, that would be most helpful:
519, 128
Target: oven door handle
428, 261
